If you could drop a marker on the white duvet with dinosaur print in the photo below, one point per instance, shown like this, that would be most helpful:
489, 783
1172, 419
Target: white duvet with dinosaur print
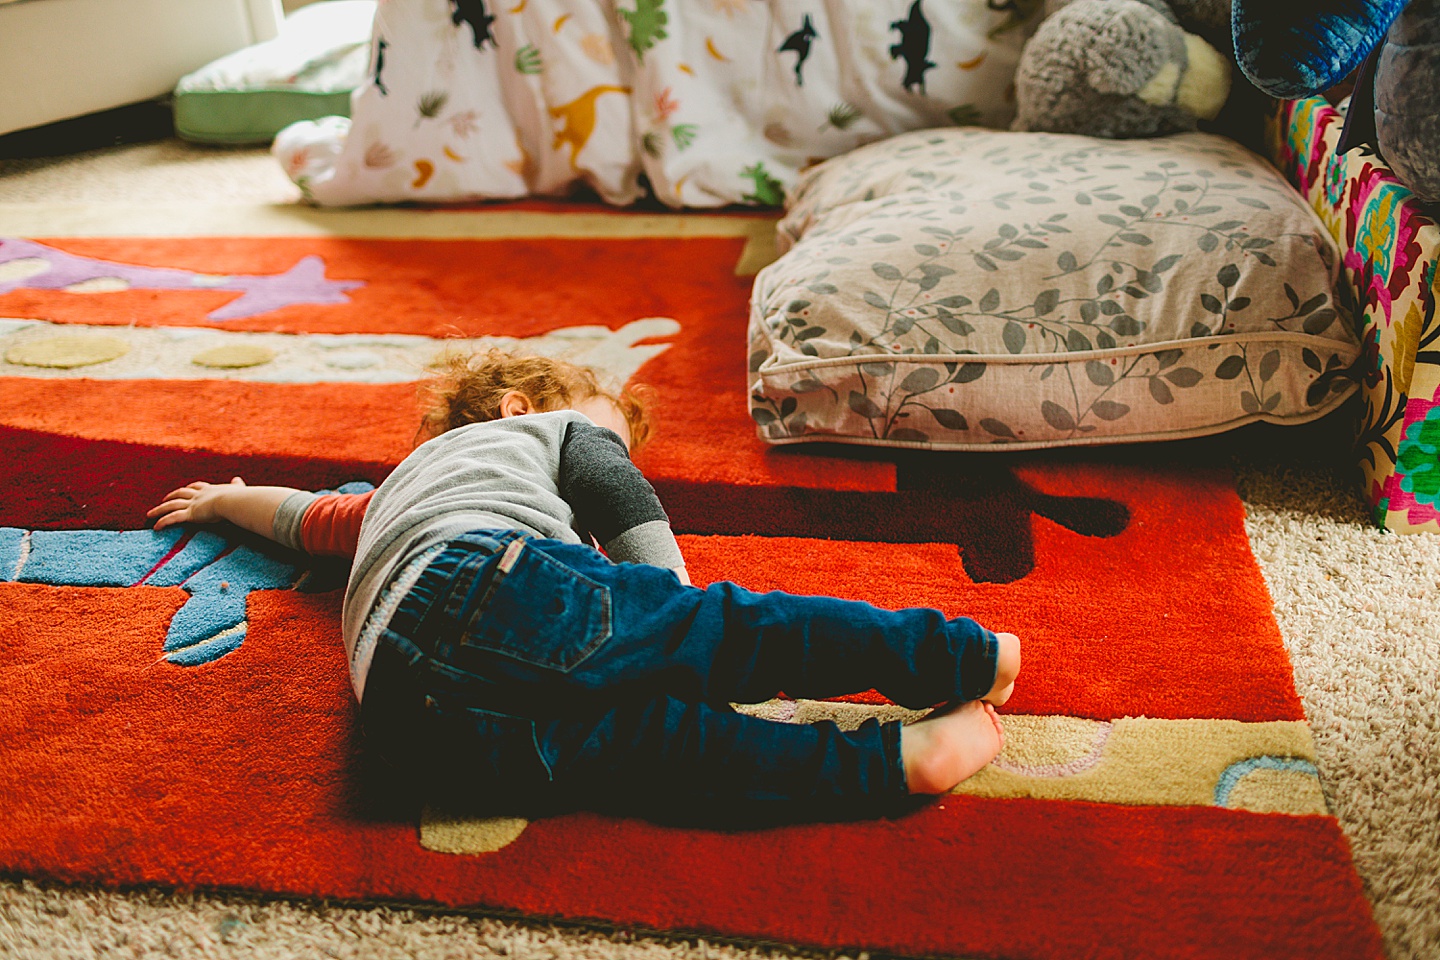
710, 102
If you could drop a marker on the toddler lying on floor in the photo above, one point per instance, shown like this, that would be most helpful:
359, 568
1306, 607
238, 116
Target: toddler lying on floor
502, 661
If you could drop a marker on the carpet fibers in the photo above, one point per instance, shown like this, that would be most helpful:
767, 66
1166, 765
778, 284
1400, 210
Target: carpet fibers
1159, 795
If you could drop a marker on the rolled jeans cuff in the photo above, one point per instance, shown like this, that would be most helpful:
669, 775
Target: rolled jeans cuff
979, 663
897, 787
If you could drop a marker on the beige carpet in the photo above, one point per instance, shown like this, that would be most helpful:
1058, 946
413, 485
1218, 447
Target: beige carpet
1359, 609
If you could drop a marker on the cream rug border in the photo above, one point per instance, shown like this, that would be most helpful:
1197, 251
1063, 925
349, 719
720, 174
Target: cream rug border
40, 221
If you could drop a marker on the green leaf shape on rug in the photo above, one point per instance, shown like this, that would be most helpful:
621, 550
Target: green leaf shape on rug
647, 25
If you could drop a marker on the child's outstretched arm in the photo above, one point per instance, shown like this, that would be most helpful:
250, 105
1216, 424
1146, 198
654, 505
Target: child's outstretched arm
319, 524
250, 508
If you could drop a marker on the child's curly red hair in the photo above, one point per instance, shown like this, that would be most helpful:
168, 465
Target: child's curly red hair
467, 388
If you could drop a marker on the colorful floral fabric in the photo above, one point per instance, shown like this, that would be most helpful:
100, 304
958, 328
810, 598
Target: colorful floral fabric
958, 289
709, 102
1391, 246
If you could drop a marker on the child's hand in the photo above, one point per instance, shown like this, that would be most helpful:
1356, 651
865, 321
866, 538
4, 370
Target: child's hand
197, 503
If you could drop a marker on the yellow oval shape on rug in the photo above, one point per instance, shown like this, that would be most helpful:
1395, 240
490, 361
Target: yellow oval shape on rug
234, 356
66, 352
446, 832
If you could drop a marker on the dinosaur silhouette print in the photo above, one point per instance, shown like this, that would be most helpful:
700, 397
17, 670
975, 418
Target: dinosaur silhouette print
474, 13
380, 46
577, 120
984, 509
218, 573
914, 47
799, 43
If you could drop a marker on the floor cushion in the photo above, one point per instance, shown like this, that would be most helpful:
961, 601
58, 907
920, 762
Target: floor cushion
307, 72
966, 288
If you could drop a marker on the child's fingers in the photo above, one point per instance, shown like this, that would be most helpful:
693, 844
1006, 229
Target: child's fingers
169, 506
165, 506
176, 500
177, 505
186, 493
172, 518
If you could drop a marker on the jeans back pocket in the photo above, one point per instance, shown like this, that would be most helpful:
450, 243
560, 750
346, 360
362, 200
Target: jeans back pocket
539, 610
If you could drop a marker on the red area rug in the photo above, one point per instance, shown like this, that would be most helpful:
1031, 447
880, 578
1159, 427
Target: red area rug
1128, 574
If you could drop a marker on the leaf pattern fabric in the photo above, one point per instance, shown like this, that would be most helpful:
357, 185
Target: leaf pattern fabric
1390, 247
702, 102
959, 289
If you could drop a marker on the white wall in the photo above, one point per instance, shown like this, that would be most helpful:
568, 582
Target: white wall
65, 58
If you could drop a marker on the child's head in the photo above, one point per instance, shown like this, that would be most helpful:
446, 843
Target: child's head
486, 386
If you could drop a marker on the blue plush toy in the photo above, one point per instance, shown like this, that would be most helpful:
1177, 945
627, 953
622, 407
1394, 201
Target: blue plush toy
1293, 50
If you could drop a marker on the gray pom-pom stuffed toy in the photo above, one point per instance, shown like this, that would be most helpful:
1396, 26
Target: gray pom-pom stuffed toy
1124, 68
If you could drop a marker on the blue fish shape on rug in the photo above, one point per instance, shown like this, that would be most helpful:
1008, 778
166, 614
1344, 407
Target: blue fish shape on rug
219, 573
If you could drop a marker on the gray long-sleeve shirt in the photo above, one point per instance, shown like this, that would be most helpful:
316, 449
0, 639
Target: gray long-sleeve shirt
552, 475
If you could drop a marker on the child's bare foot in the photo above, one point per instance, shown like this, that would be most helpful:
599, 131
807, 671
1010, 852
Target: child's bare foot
1007, 668
950, 746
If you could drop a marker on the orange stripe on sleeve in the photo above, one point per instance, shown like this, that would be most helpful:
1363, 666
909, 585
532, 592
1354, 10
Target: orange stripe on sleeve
332, 524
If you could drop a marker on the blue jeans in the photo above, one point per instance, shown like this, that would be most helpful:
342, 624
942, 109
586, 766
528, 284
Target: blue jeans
526, 675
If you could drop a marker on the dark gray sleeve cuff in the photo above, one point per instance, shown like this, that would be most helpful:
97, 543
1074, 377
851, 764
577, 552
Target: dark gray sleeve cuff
288, 517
